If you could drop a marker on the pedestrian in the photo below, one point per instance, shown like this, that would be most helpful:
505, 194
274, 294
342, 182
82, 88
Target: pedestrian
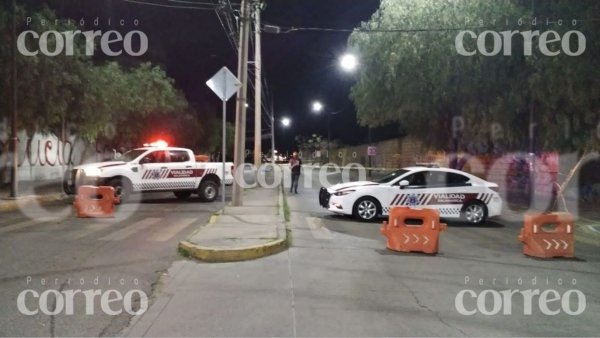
295, 166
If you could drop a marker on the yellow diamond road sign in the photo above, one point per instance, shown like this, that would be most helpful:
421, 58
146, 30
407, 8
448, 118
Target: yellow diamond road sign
224, 84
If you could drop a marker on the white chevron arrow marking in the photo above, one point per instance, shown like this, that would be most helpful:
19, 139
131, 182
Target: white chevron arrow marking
548, 244
416, 238
556, 244
406, 238
565, 244
426, 239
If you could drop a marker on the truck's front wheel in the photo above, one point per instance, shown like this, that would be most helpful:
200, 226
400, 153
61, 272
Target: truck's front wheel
122, 188
208, 191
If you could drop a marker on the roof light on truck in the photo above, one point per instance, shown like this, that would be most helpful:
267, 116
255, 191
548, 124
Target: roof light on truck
157, 143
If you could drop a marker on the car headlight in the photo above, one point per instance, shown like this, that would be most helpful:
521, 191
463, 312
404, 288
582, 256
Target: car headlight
343, 193
93, 172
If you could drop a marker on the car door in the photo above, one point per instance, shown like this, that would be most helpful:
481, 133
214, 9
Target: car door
407, 195
182, 174
446, 192
154, 171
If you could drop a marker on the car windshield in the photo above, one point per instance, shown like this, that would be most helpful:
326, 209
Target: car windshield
131, 155
392, 176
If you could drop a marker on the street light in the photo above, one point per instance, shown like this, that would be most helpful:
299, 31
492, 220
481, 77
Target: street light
285, 122
349, 62
317, 107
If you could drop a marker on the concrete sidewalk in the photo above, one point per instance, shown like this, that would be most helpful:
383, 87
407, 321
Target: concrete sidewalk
41, 192
254, 230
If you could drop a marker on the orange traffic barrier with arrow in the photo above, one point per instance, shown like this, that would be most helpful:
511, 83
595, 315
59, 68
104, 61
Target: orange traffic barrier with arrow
411, 229
92, 201
548, 235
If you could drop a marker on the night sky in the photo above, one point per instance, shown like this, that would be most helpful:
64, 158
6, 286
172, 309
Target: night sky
299, 66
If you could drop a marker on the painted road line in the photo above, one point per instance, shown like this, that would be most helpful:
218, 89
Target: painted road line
131, 229
317, 229
167, 231
24, 224
89, 229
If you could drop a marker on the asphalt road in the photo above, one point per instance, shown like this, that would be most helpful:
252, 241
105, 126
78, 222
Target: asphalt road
350, 285
44, 248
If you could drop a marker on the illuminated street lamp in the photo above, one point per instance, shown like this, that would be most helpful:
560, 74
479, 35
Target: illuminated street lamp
285, 122
349, 62
317, 106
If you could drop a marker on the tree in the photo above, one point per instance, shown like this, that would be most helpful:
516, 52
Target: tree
419, 80
96, 100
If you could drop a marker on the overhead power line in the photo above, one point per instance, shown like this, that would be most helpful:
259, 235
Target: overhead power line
193, 2
207, 6
274, 29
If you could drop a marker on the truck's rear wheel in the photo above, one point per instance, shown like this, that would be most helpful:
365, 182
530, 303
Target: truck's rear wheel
208, 191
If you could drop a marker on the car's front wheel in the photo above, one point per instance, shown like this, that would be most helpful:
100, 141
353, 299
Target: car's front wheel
366, 209
475, 213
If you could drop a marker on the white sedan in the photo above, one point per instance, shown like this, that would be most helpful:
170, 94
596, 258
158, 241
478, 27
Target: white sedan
456, 194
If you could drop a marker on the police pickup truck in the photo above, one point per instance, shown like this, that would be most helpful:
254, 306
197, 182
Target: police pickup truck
151, 169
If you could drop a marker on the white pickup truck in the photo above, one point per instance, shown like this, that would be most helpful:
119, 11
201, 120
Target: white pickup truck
153, 169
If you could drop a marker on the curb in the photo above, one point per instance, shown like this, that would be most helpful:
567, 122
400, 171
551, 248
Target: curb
213, 255
246, 253
15, 204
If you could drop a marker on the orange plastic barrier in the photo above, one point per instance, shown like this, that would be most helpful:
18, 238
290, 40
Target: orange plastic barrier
94, 201
548, 235
421, 234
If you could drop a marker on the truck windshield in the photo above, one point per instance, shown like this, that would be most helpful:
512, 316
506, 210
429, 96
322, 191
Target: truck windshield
131, 155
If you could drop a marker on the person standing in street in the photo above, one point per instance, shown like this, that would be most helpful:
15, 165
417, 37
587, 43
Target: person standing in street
295, 166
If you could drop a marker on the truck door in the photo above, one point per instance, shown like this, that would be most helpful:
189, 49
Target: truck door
183, 173
154, 170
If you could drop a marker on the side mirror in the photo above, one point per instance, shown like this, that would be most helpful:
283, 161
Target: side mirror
145, 160
403, 184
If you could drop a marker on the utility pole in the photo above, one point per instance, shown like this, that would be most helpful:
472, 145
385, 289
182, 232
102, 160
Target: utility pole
257, 87
14, 185
272, 133
240, 114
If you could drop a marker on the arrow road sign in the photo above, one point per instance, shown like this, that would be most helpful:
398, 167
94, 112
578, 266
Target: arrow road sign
548, 244
406, 238
565, 244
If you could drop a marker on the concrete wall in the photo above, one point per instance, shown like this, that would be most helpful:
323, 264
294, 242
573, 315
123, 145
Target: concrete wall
393, 153
43, 156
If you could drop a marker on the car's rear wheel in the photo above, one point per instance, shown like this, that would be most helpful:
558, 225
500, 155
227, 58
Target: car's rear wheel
208, 191
475, 213
182, 195
366, 209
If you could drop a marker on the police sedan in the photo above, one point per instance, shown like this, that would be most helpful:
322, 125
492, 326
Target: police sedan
456, 194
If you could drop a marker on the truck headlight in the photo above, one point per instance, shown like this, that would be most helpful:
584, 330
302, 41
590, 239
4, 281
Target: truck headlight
343, 193
93, 172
